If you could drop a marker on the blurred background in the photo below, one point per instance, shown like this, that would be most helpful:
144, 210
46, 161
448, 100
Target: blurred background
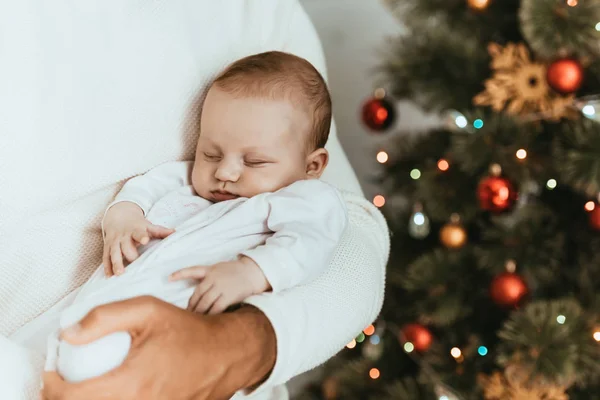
474, 125
353, 34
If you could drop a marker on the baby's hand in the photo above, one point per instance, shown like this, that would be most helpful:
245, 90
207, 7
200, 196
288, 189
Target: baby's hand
126, 228
223, 284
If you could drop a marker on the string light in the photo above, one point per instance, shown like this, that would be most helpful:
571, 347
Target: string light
460, 121
379, 200
443, 165
482, 350
455, 352
561, 319
589, 206
572, 3
382, 157
375, 339
360, 338
478, 124
352, 344
379, 93
369, 330
415, 174
521, 154
510, 266
551, 184
374, 373
409, 347
588, 110
597, 336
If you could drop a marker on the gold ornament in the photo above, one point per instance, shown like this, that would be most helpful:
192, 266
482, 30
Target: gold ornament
515, 384
478, 5
519, 86
453, 235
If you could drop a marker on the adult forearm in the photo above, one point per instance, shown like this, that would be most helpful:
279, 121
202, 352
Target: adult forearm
251, 340
315, 321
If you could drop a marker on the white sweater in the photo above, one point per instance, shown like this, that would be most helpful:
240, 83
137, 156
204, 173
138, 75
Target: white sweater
96, 92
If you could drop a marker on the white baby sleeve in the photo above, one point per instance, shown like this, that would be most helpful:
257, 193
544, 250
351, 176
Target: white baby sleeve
308, 219
144, 190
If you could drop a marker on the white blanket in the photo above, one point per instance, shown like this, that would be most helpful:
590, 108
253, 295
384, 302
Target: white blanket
205, 234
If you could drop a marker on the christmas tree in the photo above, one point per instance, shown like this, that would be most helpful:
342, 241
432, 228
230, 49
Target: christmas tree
495, 218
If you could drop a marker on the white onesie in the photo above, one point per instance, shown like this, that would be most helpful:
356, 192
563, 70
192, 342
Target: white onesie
291, 234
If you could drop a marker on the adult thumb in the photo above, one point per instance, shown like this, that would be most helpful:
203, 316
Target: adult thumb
159, 232
132, 315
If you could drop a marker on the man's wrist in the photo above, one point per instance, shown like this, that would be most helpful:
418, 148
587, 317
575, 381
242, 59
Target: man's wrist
255, 347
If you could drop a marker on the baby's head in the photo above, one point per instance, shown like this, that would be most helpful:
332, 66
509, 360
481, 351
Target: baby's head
264, 125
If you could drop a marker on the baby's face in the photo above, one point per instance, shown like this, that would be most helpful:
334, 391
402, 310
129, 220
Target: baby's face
248, 146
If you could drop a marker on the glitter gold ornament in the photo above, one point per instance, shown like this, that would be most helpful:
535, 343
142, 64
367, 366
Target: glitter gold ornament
515, 384
519, 86
453, 235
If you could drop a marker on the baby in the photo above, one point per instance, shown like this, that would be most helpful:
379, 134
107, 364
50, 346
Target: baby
248, 216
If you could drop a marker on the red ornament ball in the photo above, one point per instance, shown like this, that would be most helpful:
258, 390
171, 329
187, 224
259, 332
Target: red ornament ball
565, 75
508, 289
418, 335
496, 194
378, 114
595, 218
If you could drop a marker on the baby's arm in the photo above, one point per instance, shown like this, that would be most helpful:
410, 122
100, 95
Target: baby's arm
145, 190
308, 219
124, 226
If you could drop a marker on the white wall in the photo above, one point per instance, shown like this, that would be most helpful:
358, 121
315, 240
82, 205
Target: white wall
353, 34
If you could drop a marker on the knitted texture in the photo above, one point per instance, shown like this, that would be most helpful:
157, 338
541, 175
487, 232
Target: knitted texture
93, 95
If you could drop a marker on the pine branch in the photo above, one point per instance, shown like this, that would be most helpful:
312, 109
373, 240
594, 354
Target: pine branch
437, 69
576, 153
455, 15
564, 353
531, 236
553, 28
497, 142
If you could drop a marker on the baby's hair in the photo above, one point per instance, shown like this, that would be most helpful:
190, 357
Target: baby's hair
278, 75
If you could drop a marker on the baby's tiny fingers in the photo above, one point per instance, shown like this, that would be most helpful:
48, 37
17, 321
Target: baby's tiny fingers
140, 236
220, 305
207, 300
129, 250
117, 259
200, 290
106, 261
195, 272
159, 232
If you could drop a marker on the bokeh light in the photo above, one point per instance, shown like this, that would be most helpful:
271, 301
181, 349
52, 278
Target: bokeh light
382, 157
589, 206
455, 352
443, 165
374, 373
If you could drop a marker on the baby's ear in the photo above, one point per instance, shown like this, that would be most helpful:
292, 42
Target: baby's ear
316, 163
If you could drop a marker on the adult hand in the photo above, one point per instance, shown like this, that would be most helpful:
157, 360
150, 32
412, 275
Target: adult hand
174, 354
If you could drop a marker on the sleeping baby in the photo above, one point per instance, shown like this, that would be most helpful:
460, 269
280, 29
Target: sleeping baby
248, 215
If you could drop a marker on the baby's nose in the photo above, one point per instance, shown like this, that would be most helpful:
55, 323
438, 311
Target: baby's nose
228, 172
